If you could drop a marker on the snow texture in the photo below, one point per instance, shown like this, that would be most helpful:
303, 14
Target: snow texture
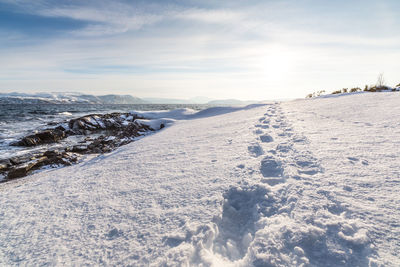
208, 191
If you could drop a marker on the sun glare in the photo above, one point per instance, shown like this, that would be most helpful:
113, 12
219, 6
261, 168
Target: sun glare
275, 64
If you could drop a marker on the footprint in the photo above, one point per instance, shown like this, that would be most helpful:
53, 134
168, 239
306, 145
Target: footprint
299, 139
266, 138
258, 131
255, 150
284, 147
352, 159
307, 164
271, 167
113, 234
263, 126
235, 229
347, 188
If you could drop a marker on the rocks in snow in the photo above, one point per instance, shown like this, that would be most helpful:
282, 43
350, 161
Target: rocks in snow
45, 137
114, 123
22, 166
116, 129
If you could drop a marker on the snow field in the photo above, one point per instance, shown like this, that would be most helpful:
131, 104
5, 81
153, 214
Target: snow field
356, 139
303, 183
274, 217
120, 208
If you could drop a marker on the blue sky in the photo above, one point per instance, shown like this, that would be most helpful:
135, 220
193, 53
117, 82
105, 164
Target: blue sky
181, 49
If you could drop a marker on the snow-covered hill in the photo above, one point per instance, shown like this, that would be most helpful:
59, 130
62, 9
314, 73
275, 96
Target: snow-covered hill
67, 98
303, 183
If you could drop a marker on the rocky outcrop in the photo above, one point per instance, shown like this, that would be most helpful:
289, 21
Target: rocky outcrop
21, 166
45, 137
115, 129
114, 124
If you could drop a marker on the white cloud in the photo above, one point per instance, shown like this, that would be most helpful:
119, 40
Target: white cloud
211, 16
177, 52
108, 18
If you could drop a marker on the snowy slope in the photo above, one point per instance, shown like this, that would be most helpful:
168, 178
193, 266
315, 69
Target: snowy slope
357, 138
302, 183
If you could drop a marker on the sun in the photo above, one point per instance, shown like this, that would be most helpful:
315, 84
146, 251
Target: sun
275, 63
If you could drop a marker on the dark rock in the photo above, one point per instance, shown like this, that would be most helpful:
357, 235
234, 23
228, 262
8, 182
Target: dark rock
52, 154
5, 163
97, 150
26, 165
17, 173
23, 170
20, 159
60, 128
45, 137
79, 148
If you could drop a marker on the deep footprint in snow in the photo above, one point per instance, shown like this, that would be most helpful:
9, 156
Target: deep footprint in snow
258, 131
284, 147
271, 167
241, 210
255, 150
266, 138
263, 126
272, 171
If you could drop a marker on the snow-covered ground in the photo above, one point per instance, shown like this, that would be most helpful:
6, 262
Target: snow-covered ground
303, 183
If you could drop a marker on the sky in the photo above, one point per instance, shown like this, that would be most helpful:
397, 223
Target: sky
249, 50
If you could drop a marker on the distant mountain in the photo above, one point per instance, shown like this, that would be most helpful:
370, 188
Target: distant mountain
121, 99
155, 100
78, 98
200, 100
67, 98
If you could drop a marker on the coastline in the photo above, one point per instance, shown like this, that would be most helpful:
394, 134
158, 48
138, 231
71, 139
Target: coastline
229, 189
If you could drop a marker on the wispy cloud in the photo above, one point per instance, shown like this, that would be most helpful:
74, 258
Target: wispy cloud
260, 50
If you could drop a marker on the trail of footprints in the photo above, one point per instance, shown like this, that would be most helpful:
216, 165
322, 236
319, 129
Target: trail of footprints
233, 233
281, 159
245, 206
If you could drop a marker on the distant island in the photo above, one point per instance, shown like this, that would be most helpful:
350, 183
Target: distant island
78, 98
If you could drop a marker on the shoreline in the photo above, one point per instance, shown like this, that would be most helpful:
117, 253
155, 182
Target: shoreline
290, 183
